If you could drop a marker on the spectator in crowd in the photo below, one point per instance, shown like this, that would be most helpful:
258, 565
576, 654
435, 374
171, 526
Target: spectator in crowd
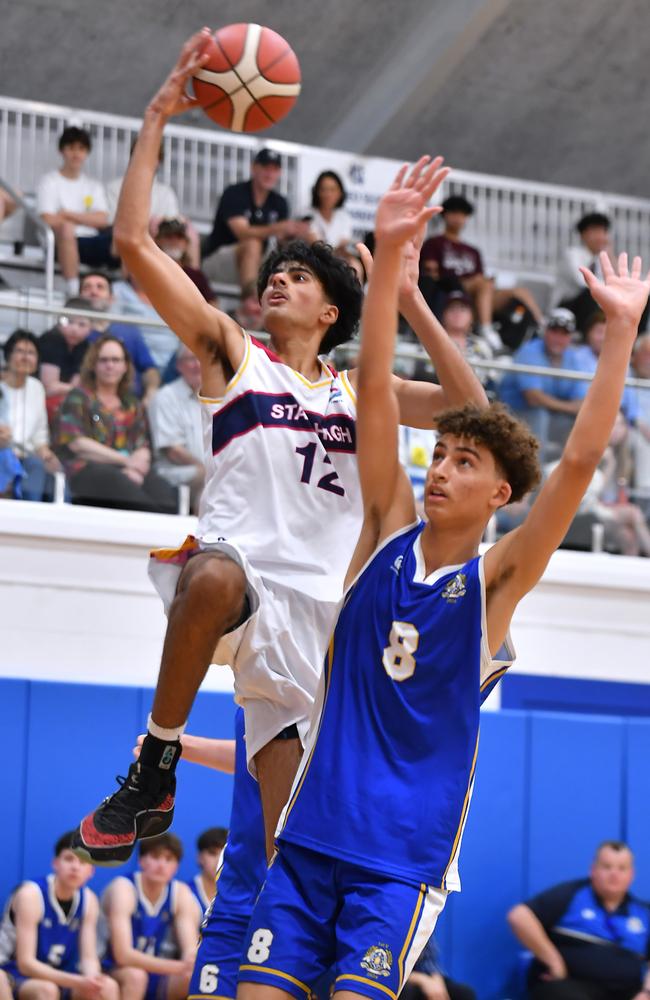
209, 847
11, 471
171, 236
248, 214
164, 205
75, 207
327, 218
590, 937
7, 205
458, 320
456, 264
30, 435
62, 350
176, 428
641, 434
152, 924
427, 982
102, 437
97, 287
131, 299
570, 290
547, 403
587, 355
48, 936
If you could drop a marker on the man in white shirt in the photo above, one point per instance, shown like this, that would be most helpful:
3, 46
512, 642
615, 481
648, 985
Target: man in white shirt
75, 207
175, 422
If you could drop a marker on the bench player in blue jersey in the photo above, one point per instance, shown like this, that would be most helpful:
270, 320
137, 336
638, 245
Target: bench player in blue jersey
48, 939
209, 849
369, 840
262, 577
151, 923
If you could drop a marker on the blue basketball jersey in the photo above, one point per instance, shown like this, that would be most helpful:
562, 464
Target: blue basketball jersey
152, 924
243, 868
387, 775
58, 935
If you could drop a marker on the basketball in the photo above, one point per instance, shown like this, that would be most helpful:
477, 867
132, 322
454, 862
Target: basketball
251, 80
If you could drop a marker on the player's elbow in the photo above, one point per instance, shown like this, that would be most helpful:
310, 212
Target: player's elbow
581, 461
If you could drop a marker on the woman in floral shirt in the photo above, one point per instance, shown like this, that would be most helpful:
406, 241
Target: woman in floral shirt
102, 436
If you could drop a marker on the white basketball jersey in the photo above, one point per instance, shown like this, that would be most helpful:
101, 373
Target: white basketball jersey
281, 472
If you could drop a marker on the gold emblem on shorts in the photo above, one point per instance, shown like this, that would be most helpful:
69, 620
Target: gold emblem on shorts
378, 960
455, 588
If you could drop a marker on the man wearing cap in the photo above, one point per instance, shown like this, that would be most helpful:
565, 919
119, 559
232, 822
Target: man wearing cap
547, 403
247, 215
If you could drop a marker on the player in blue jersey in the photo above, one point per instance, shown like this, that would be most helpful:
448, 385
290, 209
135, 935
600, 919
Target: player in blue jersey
369, 840
48, 941
209, 849
152, 924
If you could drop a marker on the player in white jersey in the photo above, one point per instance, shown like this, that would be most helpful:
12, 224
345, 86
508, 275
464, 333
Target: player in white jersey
281, 507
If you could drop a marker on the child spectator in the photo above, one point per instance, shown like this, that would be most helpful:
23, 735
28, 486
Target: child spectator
75, 207
27, 417
97, 287
152, 924
102, 437
48, 939
209, 847
570, 290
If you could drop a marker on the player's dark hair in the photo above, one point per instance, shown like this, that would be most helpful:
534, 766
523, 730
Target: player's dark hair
215, 836
164, 842
339, 281
73, 134
457, 203
17, 337
614, 845
591, 220
64, 843
511, 443
332, 176
96, 274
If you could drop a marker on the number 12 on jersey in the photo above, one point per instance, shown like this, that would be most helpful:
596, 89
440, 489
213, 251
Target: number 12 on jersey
330, 481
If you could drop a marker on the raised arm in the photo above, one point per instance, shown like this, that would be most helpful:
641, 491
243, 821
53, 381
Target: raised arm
387, 499
173, 295
515, 564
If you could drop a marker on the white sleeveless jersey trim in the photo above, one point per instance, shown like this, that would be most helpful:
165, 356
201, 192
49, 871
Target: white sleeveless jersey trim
281, 472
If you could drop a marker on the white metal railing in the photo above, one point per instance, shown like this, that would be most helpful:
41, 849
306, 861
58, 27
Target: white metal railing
44, 233
521, 226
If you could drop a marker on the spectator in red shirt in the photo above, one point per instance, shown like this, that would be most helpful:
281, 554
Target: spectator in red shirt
456, 264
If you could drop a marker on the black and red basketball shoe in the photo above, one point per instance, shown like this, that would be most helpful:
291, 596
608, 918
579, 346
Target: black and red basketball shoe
143, 806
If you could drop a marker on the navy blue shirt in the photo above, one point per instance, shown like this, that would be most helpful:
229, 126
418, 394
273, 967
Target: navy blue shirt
237, 200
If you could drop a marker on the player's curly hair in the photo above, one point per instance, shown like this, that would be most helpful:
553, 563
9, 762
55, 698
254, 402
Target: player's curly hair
512, 444
341, 284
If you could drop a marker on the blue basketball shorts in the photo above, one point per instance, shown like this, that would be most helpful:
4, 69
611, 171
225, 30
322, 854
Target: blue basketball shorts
316, 913
219, 955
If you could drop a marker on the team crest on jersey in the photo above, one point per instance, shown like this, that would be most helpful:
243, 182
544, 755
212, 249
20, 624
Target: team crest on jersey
378, 960
455, 588
335, 393
397, 565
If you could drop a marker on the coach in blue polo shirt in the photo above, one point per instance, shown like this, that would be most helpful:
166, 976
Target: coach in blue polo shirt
590, 937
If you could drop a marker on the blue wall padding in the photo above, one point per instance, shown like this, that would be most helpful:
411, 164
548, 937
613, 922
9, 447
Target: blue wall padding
549, 787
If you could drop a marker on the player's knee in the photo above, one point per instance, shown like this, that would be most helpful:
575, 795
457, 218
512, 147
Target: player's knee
133, 982
110, 989
213, 581
42, 989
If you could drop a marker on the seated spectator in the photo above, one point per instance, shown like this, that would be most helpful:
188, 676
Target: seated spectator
328, 220
62, 350
458, 320
102, 438
164, 205
248, 214
97, 287
456, 264
27, 417
570, 290
641, 434
75, 207
590, 937
427, 982
177, 430
11, 471
209, 847
587, 355
162, 342
172, 238
547, 403
152, 924
7, 205
48, 936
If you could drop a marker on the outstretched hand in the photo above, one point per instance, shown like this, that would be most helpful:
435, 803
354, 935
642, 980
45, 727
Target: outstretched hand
404, 210
621, 295
172, 98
